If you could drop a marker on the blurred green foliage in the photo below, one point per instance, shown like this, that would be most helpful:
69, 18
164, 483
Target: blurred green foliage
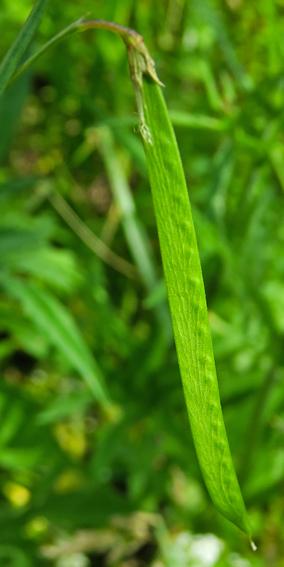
82, 296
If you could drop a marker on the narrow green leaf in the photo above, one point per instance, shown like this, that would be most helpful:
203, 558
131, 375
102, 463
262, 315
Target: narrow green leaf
13, 57
53, 320
55, 267
73, 403
188, 306
66, 32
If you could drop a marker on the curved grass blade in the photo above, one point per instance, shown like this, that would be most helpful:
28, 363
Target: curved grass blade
64, 33
186, 296
14, 55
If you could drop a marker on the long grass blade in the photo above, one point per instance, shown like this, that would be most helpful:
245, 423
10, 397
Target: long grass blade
64, 33
186, 295
13, 57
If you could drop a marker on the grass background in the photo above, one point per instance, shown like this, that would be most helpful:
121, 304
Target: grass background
79, 486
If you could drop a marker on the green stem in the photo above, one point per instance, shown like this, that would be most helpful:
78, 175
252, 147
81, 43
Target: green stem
89, 238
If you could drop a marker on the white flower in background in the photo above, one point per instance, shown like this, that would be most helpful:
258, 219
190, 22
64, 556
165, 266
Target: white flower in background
206, 550
187, 550
195, 551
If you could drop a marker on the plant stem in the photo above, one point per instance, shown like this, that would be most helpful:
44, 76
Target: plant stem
90, 239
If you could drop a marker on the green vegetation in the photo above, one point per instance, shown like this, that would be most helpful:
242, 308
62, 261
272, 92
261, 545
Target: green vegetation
97, 462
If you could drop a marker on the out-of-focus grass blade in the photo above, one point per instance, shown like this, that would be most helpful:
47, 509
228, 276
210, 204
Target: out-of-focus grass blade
133, 229
264, 477
56, 267
208, 11
139, 248
53, 320
198, 121
13, 57
205, 73
75, 26
277, 162
74, 403
11, 105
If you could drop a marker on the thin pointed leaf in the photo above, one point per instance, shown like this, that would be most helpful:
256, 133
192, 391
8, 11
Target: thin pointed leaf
55, 322
13, 57
188, 307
